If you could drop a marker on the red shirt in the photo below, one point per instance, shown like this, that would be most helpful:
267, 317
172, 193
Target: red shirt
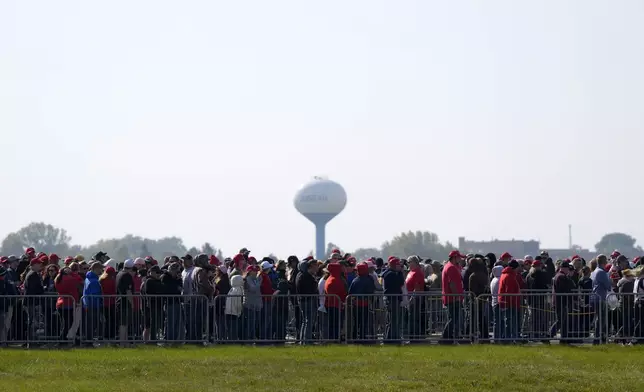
509, 287
108, 285
415, 281
266, 288
452, 274
67, 289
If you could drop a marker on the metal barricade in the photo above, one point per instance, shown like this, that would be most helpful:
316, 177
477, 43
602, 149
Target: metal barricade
420, 317
269, 319
540, 317
625, 319
148, 319
38, 320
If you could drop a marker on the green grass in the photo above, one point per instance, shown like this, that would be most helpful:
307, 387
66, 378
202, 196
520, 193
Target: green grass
331, 368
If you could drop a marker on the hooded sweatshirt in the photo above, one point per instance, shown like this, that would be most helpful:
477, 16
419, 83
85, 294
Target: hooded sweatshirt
334, 287
494, 286
92, 292
508, 288
305, 282
363, 286
234, 304
252, 293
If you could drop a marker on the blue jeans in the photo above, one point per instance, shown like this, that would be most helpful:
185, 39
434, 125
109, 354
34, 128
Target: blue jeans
394, 315
499, 324
309, 311
454, 323
251, 320
511, 316
173, 322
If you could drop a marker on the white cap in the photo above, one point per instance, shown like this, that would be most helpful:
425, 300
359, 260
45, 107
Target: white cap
129, 263
370, 264
266, 265
528, 258
110, 263
139, 261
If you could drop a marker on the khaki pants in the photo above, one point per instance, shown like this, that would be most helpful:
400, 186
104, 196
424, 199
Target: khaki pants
78, 313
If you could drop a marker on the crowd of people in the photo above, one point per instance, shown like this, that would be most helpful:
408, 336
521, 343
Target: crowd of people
45, 300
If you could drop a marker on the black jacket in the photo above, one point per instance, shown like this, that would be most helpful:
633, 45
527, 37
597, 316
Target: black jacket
172, 287
305, 284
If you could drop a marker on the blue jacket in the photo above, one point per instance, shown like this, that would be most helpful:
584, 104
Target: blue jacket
350, 277
392, 283
601, 284
362, 285
274, 278
92, 293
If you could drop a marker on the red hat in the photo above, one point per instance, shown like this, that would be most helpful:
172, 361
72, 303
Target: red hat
537, 263
455, 253
238, 259
44, 259
575, 257
214, 260
252, 260
393, 261
308, 258
352, 260
252, 268
69, 260
53, 258
527, 262
110, 270
615, 254
390, 258
4, 259
607, 267
336, 251
30, 251
35, 261
505, 255
363, 269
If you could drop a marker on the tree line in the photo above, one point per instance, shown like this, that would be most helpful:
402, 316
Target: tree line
50, 239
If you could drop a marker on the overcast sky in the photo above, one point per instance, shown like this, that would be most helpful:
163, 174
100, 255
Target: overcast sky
201, 119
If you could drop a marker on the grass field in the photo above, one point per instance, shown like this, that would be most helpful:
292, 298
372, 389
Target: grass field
330, 368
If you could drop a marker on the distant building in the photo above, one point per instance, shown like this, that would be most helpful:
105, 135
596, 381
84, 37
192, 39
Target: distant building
518, 249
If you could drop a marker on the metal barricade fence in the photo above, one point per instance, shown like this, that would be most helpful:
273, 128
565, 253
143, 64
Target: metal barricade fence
625, 314
152, 319
540, 317
266, 319
420, 317
34, 320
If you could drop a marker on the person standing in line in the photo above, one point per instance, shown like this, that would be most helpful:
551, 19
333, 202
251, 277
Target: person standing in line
602, 286
453, 295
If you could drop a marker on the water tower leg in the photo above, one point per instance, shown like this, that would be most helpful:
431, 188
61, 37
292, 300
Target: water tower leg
320, 245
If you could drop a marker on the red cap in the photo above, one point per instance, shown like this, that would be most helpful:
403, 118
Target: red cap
44, 259
575, 257
35, 261
53, 258
363, 269
238, 259
607, 267
30, 251
214, 260
527, 262
505, 255
456, 253
352, 260
615, 254
537, 263
308, 258
110, 270
69, 260
336, 251
252, 260
390, 258
393, 261
252, 268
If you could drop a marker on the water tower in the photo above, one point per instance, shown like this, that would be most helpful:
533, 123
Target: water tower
320, 201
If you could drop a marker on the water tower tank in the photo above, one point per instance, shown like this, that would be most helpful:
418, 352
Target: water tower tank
320, 200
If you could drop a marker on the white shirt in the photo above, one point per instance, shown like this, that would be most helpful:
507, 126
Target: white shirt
186, 275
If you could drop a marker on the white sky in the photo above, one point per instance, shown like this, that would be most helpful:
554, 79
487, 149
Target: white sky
201, 119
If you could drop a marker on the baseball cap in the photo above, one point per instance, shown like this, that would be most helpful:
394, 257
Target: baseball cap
513, 264
139, 261
565, 264
505, 255
12, 259
370, 264
266, 265
156, 269
537, 263
36, 261
69, 260
129, 263
252, 268
244, 250
456, 253
174, 267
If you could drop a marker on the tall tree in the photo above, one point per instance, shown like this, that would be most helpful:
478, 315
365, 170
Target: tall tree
207, 249
365, 253
193, 251
144, 252
618, 241
422, 243
122, 253
43, 237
